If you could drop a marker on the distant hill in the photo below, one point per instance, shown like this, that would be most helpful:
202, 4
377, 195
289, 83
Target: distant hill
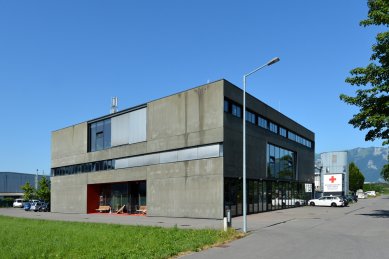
369, 160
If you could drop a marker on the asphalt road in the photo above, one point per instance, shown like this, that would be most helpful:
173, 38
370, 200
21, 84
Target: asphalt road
360, 230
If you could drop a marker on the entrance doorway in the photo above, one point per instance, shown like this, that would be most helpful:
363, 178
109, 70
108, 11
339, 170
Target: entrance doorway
123, 196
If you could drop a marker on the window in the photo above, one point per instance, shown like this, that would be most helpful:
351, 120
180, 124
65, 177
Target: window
262, 122
250, 117
100, 135
282, 132
226, 106
236, 110
273, 127
291, 136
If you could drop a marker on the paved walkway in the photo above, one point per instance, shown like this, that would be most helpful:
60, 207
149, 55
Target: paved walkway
123, 219
255, 221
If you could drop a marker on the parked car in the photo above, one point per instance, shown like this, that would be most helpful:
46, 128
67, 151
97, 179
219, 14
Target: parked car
27, 206
18, 203
45, 207
371, 193
35, 206
332, 201
346, 200
360, 194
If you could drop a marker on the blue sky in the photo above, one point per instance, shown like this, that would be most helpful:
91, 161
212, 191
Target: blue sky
62, 61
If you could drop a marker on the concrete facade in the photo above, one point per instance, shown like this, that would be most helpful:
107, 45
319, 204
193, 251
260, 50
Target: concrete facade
192, 185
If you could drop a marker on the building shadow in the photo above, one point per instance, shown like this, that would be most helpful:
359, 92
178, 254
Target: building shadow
377, 214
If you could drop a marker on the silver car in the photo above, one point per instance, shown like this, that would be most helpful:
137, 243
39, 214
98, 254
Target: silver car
35, 206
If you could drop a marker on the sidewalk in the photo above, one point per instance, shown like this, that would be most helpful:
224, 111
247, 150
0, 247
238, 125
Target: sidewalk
255, 221
122, 219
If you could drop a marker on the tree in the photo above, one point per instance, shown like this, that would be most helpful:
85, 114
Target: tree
373, 99
356, 178
385, 171
43, 192
28, 191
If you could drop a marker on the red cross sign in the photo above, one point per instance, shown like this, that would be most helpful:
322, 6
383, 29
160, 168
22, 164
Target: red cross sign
332, 179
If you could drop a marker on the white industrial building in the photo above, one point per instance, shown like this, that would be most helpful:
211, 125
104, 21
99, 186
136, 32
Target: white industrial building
331, 173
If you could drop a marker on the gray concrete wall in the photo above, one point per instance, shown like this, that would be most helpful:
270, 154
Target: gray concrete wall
257, 139
186, 189
189, 118
68, 193
68, 144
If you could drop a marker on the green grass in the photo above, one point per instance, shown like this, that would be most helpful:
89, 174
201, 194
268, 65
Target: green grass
29, 238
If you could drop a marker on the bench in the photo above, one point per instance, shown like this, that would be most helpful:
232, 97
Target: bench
142, 210
104, 208
120, 210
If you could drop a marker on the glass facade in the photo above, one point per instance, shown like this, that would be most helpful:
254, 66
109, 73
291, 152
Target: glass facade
263, 195
281, 163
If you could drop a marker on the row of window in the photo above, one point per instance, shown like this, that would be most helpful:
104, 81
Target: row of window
253, 118
84, 168
186, 154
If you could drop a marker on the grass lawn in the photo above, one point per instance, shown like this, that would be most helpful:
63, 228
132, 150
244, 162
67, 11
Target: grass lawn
30, 238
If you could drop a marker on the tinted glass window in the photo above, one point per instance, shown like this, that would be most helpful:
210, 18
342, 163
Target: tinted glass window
262, 122
100, 135
226, 106
280, 163
236, 110
273, 127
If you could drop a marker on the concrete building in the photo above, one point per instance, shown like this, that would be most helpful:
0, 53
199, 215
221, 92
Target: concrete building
182, 157
11, 182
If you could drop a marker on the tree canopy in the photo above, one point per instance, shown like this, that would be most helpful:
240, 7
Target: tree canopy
356, 178
373, 99
43, 192
385, 172
28, 191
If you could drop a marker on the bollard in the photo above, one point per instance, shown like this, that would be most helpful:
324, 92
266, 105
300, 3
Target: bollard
225, 224
229, 221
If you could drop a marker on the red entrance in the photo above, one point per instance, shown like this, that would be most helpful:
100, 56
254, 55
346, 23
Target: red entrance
123, 196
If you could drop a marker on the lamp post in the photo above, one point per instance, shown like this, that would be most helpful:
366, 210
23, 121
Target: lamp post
271, 62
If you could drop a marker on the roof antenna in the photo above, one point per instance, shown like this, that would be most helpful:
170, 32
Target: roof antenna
114, 105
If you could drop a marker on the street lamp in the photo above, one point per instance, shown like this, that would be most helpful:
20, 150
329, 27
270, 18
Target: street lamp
271, 62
